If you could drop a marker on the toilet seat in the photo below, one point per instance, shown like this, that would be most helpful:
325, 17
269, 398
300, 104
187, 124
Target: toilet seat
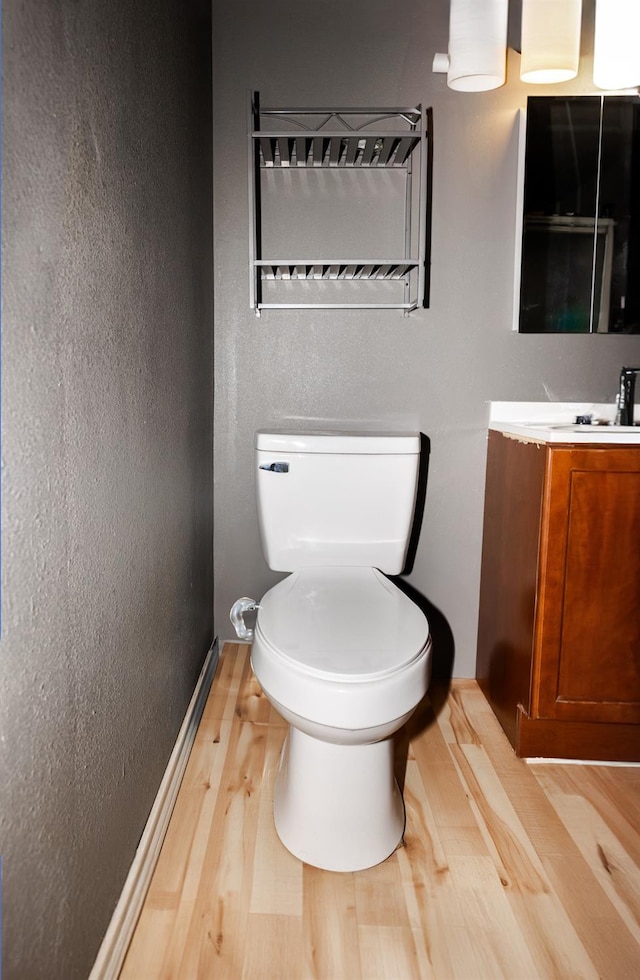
342, 648
343, 624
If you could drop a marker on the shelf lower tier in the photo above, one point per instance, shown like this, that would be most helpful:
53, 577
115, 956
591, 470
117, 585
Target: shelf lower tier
337, 284
364, 269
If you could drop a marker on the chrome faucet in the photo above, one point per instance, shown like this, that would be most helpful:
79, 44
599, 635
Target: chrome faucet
626, 395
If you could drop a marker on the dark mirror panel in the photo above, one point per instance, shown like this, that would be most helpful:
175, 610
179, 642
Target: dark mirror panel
619, 204
581, 223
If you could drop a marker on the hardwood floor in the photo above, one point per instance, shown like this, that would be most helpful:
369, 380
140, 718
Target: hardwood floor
508, 870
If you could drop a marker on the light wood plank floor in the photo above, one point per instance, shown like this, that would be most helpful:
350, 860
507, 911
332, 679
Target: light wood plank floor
507, 870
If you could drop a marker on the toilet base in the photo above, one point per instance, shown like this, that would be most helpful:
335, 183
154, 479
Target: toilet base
338, 807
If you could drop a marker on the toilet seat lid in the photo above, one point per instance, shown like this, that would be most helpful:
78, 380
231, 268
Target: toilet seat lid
345, 623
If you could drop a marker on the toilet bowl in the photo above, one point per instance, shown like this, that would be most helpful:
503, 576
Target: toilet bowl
344, 656
344, 649
339, 650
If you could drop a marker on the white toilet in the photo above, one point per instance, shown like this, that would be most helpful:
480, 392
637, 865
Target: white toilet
342, 654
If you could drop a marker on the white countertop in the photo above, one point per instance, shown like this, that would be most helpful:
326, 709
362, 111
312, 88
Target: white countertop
555, 422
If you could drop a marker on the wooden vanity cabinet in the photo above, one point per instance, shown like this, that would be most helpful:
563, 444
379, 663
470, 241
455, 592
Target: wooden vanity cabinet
559, 626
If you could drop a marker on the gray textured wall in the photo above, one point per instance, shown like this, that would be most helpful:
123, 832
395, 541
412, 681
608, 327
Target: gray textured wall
435, 370
107, 447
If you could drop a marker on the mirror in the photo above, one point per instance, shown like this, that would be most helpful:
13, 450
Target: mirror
580, 260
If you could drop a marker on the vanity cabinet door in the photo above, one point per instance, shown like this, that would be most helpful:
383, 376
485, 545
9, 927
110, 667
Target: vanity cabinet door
586, 655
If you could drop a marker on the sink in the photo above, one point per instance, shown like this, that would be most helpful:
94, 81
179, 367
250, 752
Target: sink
596, 431
555, 422
548, 431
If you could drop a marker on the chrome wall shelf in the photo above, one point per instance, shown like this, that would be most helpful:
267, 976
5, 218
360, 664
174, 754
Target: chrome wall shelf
390, 215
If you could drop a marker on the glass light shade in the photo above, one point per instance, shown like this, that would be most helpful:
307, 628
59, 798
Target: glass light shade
477, 45
616, 53
550, 40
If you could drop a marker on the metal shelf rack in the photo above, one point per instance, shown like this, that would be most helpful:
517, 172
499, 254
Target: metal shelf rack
366, 141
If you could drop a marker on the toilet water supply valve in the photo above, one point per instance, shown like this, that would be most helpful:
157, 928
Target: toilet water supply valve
238, 609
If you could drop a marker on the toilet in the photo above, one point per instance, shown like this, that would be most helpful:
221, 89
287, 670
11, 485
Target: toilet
342, 654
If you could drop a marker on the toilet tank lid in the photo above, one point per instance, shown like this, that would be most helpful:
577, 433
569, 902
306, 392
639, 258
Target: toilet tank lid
325, 441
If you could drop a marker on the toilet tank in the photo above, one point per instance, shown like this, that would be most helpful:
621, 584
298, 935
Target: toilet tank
336, 498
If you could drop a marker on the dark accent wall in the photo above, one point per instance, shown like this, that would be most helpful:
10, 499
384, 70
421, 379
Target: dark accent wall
107, 447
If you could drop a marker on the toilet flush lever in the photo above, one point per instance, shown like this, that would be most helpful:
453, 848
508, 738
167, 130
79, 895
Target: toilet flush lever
238, 609
275, 467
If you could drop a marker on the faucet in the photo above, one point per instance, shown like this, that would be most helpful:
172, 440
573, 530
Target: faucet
626, 395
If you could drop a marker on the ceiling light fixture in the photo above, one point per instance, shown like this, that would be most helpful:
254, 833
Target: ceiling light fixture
477, 45
550, 40
616, 52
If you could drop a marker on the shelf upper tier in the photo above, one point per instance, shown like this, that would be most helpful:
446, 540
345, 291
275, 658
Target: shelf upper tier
335, 137
336, 149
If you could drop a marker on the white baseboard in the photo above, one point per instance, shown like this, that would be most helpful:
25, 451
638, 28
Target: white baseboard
123, 922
